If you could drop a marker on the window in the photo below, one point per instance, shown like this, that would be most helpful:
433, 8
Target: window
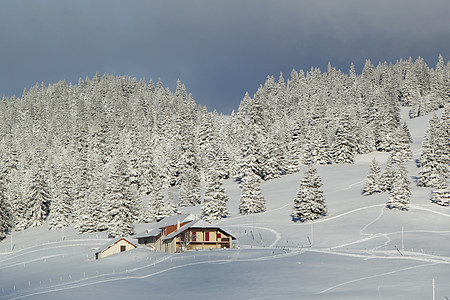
123, 248
206, 236
194, 236
219, 235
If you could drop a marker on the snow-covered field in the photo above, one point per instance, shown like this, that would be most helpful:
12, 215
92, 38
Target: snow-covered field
360, 250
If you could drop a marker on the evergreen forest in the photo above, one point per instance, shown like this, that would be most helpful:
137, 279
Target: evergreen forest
88, 153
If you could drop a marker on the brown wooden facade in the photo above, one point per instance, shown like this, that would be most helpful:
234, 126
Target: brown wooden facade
186, 235
199, 239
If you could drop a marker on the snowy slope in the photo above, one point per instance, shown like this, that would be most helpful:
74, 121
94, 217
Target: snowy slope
356, 252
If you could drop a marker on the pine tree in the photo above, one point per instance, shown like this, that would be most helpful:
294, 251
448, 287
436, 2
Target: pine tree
343, 145
401, 150
374, 180
252, 200
433, 158
189, 188
122, 201
215, 201
309, 203
387, 177
407, 132
170, 207
5, 211
61, 206
400, 193
441, 193
157, 206
37, 196
93, 214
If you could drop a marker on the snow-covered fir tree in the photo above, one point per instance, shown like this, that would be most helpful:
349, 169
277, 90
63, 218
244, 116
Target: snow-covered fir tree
171, 137
5, 211
61, 205
36, 196
400, 193
374, 183
388, 175
93, 215
440, 194
433, 160
252, 200
123, 204
344, 145
401, 150
214, 205
407, 132
189, 188
158, 206
310, 202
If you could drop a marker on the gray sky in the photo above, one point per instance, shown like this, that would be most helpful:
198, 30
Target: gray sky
218, 49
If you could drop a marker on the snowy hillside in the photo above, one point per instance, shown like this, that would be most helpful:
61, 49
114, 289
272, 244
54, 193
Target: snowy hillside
360, 250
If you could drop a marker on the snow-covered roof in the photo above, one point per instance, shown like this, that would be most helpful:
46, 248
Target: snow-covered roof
195, 224
113, 242
149, 233
173, 220
155, 228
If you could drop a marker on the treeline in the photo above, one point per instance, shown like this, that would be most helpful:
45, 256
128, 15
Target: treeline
85, 153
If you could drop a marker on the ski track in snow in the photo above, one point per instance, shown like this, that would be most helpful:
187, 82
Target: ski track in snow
375, 276
75, 284
259, 214
367, 254
276, 233
72, 243
30, 261
352, 185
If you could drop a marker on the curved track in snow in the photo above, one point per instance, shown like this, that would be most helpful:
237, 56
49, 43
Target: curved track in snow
79, 284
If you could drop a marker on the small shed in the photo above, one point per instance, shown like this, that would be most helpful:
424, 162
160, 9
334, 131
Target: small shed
114, 246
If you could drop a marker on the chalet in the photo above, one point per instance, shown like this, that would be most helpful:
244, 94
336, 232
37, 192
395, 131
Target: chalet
117, 245
183, 232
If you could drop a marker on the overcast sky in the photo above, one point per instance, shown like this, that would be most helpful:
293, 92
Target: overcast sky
218, 49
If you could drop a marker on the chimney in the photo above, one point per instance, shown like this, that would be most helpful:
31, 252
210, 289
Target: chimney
178, 224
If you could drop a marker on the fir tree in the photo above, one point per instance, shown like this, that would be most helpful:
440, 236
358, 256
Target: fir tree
374, 180
343, 145
252, 200
215, 201
400, 193
433, 158
387, 177
407, 132
122, 201
61, 206
5, 211
441, 193
37, 200
93, 214
401, 150
157, 206
170, 207
309, 203
189, 188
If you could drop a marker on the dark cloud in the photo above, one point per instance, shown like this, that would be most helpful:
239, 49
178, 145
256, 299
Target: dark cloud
219, 49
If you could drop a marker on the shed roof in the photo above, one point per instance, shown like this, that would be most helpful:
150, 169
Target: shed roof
112, 242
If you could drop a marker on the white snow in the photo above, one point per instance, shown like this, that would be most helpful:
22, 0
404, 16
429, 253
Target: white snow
355, 252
